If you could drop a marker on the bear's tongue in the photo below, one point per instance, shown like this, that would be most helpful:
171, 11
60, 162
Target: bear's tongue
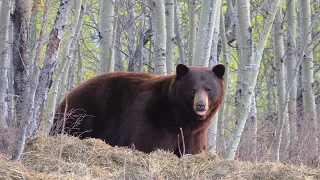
201, 113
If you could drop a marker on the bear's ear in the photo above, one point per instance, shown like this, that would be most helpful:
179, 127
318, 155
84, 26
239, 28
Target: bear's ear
219, 70
181, 71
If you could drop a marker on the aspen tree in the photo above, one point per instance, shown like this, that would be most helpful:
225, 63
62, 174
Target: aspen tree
160, 36
4, 60
247, 96
106, 32
170, 35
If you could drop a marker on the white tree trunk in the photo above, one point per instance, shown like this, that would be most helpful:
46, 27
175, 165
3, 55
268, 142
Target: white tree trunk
70, 84
226, 57
11, 109
170, 35
283, 123
244, 38
213, 58
4, 61
291, 64
160, 36
245, 52
231, 22
177, 29
192, 30
247, 99
213, 127
119, 63
309, 106
209, 10
253, 130
113, 40
106, 32
132, 48
283, 126
63, 82
80, 70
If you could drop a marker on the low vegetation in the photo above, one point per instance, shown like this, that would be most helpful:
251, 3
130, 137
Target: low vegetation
47, 157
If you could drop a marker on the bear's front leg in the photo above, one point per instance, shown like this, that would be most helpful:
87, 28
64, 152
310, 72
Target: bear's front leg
199, 142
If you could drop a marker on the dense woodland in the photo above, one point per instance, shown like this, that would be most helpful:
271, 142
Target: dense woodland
271, 49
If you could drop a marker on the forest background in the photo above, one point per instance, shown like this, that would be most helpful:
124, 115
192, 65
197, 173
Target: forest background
270, 48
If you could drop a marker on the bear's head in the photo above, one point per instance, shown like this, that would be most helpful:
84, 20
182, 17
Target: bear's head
198, 90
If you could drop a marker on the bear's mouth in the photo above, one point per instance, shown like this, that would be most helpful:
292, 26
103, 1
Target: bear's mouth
201, 112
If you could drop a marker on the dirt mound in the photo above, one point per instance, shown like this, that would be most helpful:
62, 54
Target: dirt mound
93, 159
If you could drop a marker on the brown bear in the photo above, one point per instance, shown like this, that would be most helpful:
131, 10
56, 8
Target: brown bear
145, 110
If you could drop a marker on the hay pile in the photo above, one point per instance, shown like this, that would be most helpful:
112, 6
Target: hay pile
93, 159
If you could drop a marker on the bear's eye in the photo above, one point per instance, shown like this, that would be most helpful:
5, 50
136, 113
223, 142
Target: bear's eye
208, 91
192, 91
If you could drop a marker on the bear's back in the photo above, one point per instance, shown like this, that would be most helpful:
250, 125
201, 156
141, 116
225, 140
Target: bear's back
93, 90
101, 102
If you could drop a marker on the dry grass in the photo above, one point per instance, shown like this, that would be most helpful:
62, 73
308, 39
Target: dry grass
93, 159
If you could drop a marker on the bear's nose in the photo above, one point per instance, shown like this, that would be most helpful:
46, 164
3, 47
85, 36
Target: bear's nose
201, 105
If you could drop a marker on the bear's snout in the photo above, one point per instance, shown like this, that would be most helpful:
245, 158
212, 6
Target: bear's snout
201, 106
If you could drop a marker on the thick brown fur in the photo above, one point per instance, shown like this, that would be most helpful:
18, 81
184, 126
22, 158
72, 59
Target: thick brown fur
145, 110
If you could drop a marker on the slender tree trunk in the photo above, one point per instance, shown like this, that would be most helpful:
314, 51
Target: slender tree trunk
253, 130
309, 106
151, 46
33, 37
4, 61
291, 64
177, 29
113, 40
209, 10
160, 36
247, 149
80, 68
170, 35
247, 99
119, 63
215, 51
226, 57
213, 127
64, 78
11, 109
192, 30
21, 24
245, 52
106, 32
71, 71
132, 48
51, 55
245, 61
138, 55
282, 134
232, 23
